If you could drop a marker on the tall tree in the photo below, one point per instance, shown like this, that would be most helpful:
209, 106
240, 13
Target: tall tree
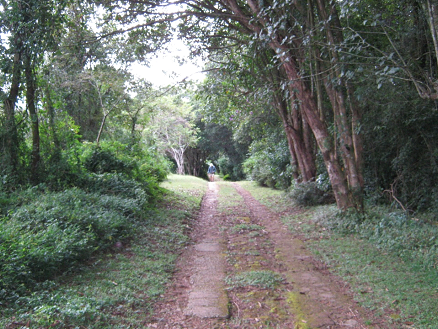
34, 28
284, 27
10, 24
172, 129
400, 38
109, 85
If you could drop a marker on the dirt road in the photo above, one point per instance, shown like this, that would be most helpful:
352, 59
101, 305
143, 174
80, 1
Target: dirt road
245, 270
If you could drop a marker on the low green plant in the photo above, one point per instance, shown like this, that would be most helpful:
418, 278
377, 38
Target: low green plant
310, 194
118, 287
120, 185
53, 233
262, 279
404, 290
226, 177
410, 238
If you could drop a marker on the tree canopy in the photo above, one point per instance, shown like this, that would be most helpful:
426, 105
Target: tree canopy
347, 88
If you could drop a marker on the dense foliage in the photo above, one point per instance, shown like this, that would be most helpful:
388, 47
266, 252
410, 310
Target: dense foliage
76, 172
368, 69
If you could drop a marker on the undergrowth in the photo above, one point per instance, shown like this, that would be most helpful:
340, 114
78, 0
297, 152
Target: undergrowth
411, 239
105, 268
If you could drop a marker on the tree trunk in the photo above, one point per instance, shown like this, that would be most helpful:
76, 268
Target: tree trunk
350, 147
9, 106
291, 145
178, 155
102, 124
30, 102
300, 150
300, 142
51, 112
432, 19
347, 190
325, 144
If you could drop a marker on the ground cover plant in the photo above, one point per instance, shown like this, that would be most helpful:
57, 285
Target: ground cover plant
388, 258
117, 287
48, 229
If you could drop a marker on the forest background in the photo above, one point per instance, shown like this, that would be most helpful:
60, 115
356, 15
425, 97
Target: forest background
333, 101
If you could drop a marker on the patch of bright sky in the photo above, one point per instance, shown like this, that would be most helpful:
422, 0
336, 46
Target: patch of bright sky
170, 67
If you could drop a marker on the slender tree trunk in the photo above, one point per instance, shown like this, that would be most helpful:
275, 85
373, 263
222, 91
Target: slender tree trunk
315, 64
305, 146
9, 106
51, 112
102, 124
350, 152
301, 152
291, 145
178, 155
432, 18
30, 102
297, 132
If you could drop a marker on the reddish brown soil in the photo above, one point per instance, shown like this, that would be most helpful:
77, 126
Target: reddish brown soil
253, 239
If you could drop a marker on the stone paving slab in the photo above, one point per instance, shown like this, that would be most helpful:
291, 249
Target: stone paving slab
207, 297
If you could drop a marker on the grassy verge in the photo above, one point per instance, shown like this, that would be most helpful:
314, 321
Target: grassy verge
385, 258
229, 199
275, 199
118, 288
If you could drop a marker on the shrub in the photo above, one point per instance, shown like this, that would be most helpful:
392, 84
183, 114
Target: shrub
412, 239
103, 161
269, 163
51, 234
113, 157
118, 185
230, 169
310, 194
120, 160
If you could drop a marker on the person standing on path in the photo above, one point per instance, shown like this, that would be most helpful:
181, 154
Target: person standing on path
211, 171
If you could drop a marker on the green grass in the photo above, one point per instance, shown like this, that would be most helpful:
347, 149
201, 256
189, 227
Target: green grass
117, 289
262, 279
386, 258
382, 281
274, 199
229, 199
185, 184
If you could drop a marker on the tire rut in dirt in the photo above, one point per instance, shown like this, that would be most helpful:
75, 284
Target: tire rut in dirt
316, 297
